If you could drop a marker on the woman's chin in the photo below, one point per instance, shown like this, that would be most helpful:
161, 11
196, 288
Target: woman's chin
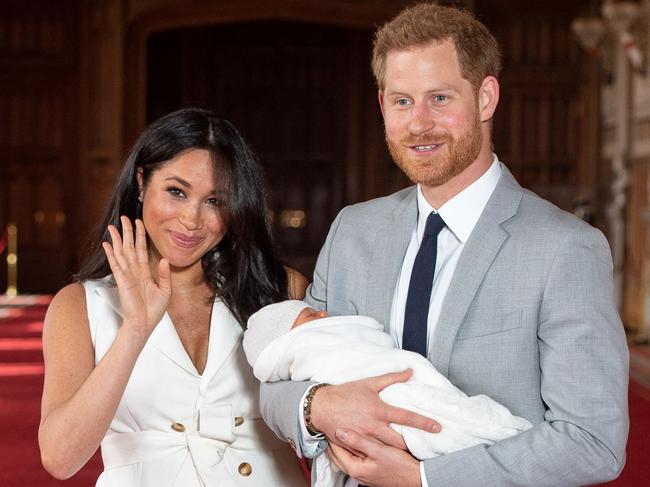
177, 262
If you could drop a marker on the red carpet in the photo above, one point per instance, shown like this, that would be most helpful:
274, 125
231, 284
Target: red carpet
21, 380
21, 383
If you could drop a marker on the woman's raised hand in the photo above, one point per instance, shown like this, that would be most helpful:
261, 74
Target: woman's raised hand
143, 300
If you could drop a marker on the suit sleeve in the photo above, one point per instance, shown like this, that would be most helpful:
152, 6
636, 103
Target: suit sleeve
584, 376
281, 401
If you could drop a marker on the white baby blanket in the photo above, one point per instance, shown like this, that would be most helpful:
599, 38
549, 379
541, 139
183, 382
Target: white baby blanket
346, 348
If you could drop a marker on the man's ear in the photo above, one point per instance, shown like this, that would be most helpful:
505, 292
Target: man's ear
488, 97
380, 97
139, 176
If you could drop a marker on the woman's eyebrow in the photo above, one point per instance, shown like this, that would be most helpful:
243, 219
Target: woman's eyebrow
179, 180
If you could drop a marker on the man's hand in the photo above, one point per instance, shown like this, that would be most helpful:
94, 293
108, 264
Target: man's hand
378, 466
356, 406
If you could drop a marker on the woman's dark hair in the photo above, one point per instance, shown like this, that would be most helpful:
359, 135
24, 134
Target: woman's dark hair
242, 268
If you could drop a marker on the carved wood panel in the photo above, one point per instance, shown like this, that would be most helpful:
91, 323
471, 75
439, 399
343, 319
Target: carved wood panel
537, 125
38, 56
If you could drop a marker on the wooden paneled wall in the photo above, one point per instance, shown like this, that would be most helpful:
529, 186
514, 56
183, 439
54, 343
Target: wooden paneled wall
38, 124
538, 124
74, 91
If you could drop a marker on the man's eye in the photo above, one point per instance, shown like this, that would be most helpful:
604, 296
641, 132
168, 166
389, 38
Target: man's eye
441, 98
403, 101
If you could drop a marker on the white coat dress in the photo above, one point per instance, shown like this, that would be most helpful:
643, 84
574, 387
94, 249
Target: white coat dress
175, 427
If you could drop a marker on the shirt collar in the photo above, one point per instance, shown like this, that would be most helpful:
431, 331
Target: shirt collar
462, 211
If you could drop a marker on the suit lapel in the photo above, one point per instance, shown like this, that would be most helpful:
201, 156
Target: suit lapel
387, 258
477, 257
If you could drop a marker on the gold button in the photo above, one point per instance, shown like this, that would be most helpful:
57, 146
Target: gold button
239, 420
178, 427
245, 469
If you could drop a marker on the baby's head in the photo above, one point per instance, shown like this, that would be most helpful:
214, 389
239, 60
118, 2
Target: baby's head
308, 314
273, 321
284, 316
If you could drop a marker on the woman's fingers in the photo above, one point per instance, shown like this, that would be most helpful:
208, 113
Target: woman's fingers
127, 239
141, 243
164, 276
116, 268
117, 247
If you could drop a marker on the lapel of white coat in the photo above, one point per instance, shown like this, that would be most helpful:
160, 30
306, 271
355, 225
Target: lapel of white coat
225, 337
165, 339
477, 257
387, 257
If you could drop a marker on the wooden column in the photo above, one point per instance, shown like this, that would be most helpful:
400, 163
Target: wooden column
101, 104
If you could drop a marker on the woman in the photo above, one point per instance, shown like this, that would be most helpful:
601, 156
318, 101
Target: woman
143, 353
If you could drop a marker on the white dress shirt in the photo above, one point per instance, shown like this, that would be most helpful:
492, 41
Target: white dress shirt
460, 215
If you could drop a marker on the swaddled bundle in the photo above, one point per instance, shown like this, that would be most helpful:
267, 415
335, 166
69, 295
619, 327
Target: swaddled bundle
346, 348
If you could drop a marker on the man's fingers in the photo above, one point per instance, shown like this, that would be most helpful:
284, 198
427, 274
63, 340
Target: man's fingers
409, 418
389, 436
333, 450
343, 459
380, 382
354, 441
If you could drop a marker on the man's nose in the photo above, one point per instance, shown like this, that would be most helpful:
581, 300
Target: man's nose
421, 120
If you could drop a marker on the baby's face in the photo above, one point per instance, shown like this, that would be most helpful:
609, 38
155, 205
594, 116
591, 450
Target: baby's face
307, 315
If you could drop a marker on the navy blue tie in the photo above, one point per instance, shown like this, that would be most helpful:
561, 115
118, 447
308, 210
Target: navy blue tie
414, 337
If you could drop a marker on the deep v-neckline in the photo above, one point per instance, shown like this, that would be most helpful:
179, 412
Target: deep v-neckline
223, 339
207, 345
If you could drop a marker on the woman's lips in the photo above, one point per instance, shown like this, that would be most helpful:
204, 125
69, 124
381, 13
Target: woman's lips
185, 241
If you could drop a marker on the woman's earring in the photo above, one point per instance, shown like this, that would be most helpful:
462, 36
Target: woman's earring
140, 198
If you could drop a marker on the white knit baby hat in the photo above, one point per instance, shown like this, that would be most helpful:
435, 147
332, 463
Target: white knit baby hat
268, 323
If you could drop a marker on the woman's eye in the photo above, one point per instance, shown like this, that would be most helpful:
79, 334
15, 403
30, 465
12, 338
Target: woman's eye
215, 202
176, 192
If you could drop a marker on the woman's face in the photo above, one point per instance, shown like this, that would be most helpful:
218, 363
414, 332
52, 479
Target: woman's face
181, 208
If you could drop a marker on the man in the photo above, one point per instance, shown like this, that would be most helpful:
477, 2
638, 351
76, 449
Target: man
517, 303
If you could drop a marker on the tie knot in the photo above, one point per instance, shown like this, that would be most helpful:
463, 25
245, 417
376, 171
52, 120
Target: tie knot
435, 224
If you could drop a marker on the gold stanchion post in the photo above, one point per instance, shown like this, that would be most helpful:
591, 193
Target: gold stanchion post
12, 260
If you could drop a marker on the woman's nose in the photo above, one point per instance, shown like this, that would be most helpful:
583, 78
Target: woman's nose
190, 218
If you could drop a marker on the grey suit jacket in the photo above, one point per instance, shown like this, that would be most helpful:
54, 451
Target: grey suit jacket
529, 319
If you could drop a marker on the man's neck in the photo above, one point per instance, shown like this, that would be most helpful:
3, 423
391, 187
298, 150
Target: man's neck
439, 195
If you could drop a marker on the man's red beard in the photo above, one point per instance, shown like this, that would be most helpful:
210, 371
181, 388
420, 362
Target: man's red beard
456, 155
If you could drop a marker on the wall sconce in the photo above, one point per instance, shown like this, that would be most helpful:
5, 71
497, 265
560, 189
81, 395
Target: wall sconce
293, 218
56, 219
12, 260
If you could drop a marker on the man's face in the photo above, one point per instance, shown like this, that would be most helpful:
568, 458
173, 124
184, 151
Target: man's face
431, 115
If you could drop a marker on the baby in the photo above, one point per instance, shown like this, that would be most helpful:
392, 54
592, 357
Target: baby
291, 341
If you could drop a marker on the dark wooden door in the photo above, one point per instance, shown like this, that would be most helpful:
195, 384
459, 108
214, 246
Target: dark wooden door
38, 152
296, 92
